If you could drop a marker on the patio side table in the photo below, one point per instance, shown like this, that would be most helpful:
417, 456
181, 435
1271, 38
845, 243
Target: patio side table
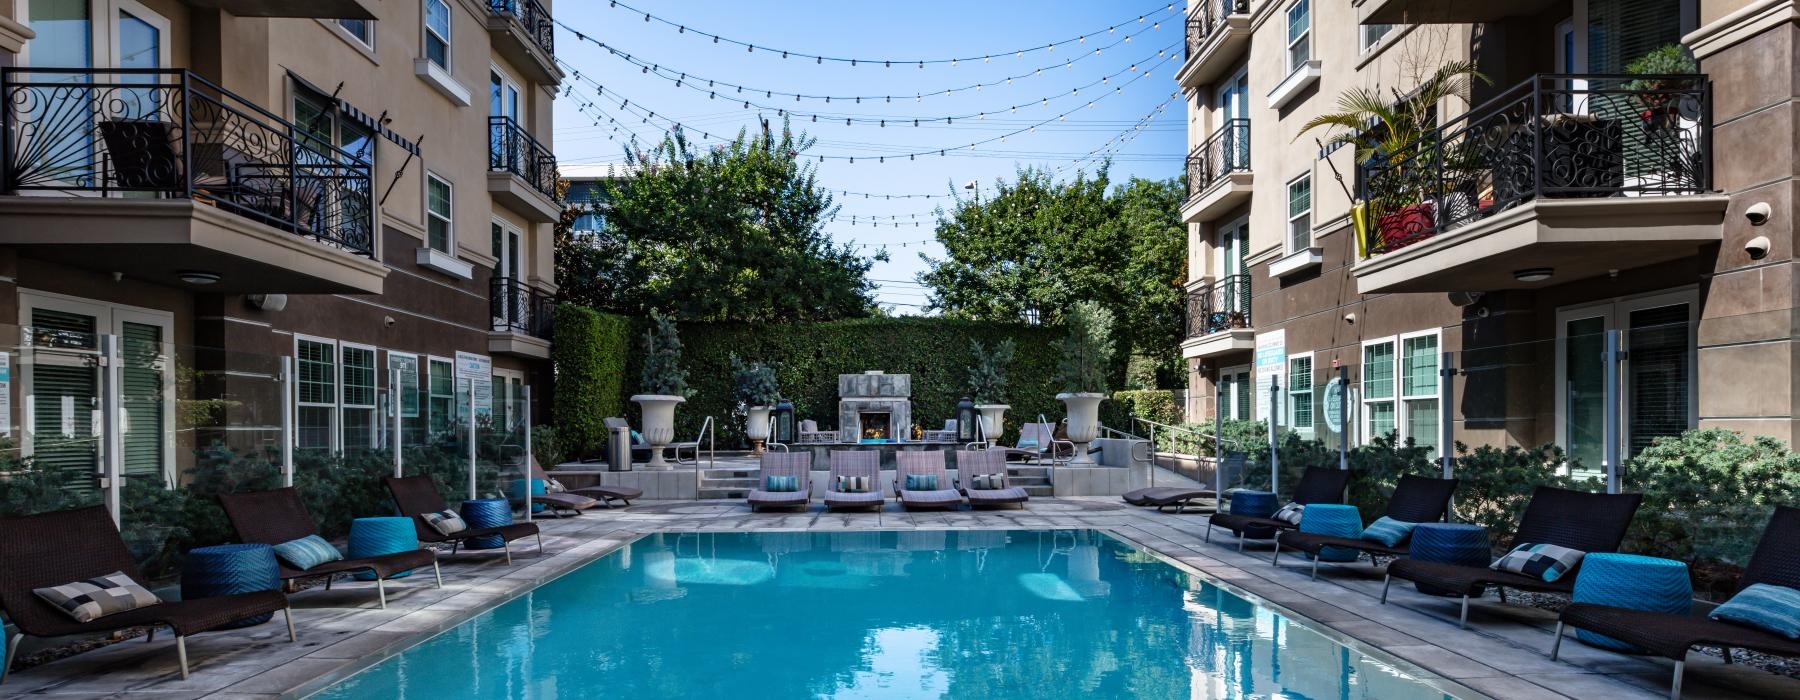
1335, 520
1450, 543
231, 569
1256, 504
486, 512
373, 537
1631, 581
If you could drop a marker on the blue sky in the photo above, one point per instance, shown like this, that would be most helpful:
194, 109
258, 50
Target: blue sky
921, 29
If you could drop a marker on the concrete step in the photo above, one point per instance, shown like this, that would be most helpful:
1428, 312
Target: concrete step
729, 473
710, 493
744, 484
1036, 491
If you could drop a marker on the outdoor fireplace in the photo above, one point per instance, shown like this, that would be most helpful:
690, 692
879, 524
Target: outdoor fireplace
874, 407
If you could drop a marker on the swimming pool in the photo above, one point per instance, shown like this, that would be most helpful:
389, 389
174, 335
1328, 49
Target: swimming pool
872, 614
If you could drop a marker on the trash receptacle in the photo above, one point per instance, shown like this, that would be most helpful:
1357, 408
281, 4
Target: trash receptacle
618, 450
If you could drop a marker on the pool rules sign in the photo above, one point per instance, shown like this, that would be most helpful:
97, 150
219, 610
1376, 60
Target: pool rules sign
1271, 364
475, 374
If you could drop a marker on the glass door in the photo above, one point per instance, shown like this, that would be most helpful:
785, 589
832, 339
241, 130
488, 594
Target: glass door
1232, 102
508, 286
1657, 376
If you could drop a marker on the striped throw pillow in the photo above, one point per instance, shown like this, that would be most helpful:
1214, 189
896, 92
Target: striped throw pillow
1388, 531
987, 482
307, 552
1775, 609
446, 522
1546, 561
94, 598
781, 484
853, 484
1290, 513
921, 482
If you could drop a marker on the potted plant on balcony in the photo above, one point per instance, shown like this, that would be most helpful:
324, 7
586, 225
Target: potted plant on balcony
757, 394
1658, 90
664, 384
1394, 136
1086, 357
987, 383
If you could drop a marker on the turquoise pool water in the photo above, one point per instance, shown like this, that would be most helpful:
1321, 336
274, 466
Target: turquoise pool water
944, 614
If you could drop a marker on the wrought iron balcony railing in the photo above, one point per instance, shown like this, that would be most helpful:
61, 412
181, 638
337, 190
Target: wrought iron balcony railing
517, 307
1211, 16
1556, 136
1225, 152
533, 16
170, 133
1220, 306
512, 150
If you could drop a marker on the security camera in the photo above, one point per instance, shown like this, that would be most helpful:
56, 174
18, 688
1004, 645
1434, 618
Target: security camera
1758, 213
1757, 247
387, 321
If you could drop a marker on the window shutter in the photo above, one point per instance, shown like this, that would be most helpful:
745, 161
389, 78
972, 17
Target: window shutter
141, 379
65, 392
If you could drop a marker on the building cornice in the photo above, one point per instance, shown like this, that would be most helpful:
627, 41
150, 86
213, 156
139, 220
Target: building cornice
13, 35
1746, 22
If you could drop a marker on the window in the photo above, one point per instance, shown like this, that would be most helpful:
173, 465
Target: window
360, 419
1657, 375
1300, 395
437, 33
1370, 35
1299, 34
509, 401
362, 29
322, 125
1400, 388
1234, 393
590, 199
438, 200
1378, 389
316, 363
1300, 213
440, 400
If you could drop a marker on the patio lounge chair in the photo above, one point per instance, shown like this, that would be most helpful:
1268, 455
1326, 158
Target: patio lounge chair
418, 495
925, 463
52, 549
278, 515
1317, 485
1587, 522
1416, 499
973, 463
810, 434
1775, 562
1035, 441
601, 493
1162, 497
863, 463
794, 464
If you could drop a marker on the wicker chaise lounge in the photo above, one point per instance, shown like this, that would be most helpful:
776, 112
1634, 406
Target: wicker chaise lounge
52, 549
794, 464
971, 464
1162, 497
1416, 499
1776, 562
418, 495
925, 464
278, 515
1317, 485
1587, 522
602, 493
854, 463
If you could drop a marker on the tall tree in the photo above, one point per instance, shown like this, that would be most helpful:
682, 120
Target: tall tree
1038, 246
731, 233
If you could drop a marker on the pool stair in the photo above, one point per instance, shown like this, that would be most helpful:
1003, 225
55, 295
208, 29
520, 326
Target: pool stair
737, 483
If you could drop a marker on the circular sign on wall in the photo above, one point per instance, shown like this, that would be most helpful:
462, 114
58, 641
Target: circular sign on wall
1334, 405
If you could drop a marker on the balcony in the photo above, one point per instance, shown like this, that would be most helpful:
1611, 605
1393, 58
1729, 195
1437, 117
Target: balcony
1218, 34
320, 9
521, 172
169, 178
1218, 318
521, 317
525, 35
1561, 178
1447, 11
1218, 173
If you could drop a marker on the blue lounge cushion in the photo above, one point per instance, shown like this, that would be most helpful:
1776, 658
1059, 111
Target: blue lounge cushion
1025, 443
1546, 561
307, 552
1388, 531
781, 484
921, 482
1768, 607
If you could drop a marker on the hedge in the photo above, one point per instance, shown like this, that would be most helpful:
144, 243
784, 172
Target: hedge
808, 357
1150, 404
589, 352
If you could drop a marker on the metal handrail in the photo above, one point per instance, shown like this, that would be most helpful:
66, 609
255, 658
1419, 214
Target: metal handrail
706, 433
1135, 440
770, 443
1054, 458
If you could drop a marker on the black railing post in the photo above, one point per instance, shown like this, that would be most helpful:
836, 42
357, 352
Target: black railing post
6, 130
1536, 120
187, 136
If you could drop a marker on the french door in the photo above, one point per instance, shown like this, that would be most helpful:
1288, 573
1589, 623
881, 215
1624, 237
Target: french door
1657, 378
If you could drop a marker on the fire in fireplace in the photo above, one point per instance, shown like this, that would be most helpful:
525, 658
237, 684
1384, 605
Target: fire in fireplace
876, 426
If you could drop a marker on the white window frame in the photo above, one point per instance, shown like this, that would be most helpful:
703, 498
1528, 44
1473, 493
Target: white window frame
449, 220
333, 442
1368, 40
511, 94
1362, 384
1222, 251
1295, 64
1231, 397
1301, 386
1614, 313
1303, 220
344, 404
426, 34
425, 378
103, 31
503, 397
1402, 417
367, 42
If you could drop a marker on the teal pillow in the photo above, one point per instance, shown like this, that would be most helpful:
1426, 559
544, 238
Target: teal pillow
921, 482
637, 438
1767, 607
307, 552
1388, 531
1024, 443
781, 484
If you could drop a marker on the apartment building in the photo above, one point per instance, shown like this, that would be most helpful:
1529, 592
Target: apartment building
1560, 201
362, 189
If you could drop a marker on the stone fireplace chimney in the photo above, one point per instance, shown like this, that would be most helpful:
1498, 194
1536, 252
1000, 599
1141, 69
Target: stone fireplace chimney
874, 405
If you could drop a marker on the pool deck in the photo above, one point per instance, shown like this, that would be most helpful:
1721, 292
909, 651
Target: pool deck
1502, 654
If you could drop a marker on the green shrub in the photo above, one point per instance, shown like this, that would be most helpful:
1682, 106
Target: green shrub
1376, 468
1150, 404
1707, 495
1087, 364
547, 446
1496, 484
662, 373
754, 383
589, 354
987, 371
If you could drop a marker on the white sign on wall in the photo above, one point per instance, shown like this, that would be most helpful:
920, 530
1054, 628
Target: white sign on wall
1271, 365
475, 375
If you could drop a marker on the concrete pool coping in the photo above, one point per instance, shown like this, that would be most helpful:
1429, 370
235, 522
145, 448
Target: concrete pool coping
342, 631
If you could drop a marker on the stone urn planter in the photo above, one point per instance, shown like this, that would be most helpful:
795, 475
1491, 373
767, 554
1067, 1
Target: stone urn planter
659, 425
756, 426
1084, 421
993, 421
